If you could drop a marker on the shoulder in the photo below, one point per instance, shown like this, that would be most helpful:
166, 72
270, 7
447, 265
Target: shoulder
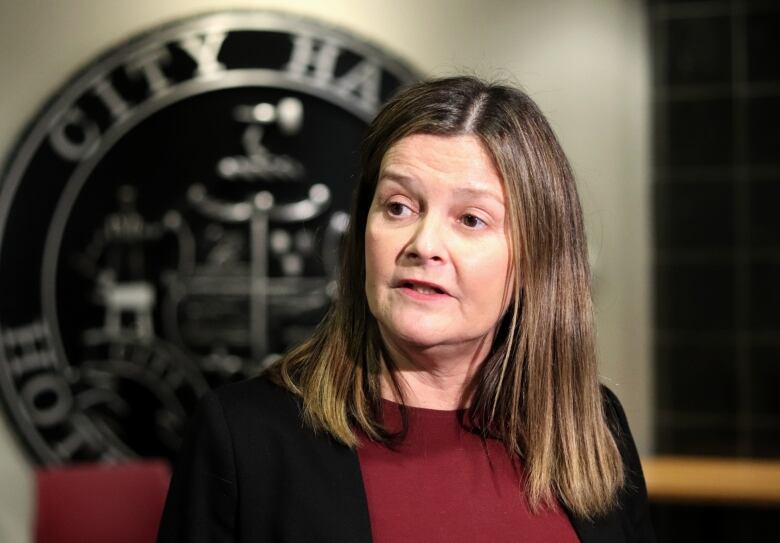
618, 425
256, 393
632, 498
616, 416
257, 403
229, 419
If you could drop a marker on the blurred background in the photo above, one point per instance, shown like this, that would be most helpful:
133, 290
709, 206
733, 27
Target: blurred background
667, 111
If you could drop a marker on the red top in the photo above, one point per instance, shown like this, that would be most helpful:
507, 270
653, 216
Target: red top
444, 483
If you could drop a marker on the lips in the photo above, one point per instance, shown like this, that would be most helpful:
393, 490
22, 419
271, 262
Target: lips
422, 287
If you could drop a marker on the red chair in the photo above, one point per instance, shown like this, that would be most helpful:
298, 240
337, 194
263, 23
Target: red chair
100, 503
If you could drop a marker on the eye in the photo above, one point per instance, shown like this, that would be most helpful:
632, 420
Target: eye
397, 209
472, 221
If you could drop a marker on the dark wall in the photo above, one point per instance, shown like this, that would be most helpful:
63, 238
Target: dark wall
716, 191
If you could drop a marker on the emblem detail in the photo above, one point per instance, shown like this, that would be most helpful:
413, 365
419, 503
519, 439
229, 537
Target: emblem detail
171, 222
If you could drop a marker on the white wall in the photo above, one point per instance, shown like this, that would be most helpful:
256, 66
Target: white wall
584, 61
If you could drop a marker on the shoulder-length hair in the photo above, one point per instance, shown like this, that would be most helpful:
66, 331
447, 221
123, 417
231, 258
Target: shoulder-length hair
538, 390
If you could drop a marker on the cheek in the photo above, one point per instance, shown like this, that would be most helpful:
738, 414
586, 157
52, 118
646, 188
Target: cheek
488, 276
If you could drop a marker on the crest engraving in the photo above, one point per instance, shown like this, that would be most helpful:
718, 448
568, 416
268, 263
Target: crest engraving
171, 222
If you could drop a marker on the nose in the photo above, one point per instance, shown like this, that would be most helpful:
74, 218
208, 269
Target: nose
427, 243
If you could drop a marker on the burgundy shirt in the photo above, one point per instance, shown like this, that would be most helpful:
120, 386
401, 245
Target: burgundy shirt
444, 483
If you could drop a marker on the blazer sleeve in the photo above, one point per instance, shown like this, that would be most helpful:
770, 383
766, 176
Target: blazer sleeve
201, 502
634, 509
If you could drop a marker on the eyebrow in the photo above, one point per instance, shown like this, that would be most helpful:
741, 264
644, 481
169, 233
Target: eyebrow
472, 192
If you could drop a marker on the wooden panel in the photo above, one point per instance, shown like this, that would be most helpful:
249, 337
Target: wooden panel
708, 480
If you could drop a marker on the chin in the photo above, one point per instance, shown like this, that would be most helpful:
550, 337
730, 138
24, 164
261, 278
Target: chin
418, 334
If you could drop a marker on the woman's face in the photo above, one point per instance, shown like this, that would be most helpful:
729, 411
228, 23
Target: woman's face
437, 250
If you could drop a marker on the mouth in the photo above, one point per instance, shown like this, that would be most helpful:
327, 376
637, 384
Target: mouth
422, 287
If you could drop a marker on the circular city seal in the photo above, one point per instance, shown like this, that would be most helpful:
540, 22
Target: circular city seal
171, 221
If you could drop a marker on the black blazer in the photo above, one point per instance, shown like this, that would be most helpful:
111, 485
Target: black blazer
249, 471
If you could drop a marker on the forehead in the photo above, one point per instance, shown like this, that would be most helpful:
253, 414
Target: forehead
457, 161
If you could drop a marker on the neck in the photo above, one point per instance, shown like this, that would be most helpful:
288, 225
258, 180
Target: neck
434, 377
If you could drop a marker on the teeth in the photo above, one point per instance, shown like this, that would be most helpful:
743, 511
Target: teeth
423, 289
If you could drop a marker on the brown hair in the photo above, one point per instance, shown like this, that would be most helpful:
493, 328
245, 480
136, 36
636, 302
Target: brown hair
538, 391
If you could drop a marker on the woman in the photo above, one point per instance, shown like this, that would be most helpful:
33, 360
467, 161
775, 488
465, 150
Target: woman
451, 392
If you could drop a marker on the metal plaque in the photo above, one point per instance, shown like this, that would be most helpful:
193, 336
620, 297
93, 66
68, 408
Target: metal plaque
171, 222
